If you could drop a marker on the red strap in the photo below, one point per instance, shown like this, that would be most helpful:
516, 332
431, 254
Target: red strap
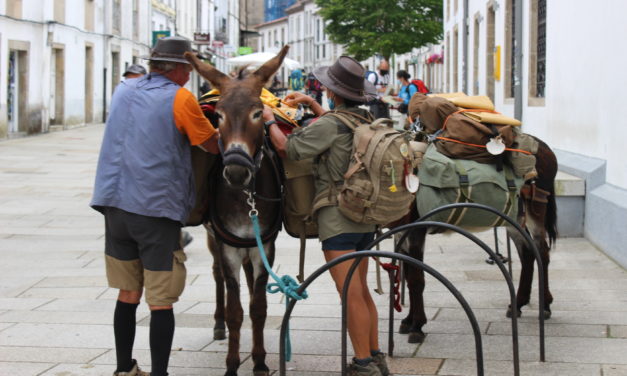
391, 268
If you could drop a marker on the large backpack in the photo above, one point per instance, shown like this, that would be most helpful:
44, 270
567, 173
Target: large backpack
374, 189
420, 86
369, 73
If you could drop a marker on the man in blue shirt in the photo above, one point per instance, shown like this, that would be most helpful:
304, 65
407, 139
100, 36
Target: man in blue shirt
145, 189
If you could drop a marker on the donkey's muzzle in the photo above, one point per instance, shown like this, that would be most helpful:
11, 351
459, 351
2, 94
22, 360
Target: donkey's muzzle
238, 177
239, 167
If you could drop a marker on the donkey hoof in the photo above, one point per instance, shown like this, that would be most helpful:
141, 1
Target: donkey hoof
230, 373
416, 337
508, 314
404, 328
262, 370
547, 314
219, 334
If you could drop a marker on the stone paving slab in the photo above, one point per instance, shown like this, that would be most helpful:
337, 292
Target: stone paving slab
496, 368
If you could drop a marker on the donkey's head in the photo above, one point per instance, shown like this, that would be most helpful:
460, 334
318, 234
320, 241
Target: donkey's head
239, 111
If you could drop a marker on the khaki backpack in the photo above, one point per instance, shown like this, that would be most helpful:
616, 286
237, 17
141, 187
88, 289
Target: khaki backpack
374, 189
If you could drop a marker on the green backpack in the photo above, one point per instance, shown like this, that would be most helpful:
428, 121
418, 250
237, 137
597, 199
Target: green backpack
446, 181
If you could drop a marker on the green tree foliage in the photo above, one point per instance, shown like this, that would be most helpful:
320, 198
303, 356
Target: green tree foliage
386, 27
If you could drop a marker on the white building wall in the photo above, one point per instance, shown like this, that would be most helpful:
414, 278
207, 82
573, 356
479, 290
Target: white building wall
584, 66
34, 30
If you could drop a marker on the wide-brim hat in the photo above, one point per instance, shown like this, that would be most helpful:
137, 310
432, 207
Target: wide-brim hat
135, 69
346, 79
170, 49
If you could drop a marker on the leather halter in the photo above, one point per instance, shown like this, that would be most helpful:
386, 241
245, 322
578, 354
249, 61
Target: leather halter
224, 234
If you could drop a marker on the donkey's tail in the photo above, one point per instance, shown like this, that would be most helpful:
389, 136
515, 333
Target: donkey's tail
550, 219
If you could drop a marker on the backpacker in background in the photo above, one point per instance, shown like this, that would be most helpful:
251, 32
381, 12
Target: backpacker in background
420, 86
374, 189
446, 181
369, 74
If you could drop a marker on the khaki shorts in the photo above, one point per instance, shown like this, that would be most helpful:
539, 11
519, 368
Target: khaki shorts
144, 252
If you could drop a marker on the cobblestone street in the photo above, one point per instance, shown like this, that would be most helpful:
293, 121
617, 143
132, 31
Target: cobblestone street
56, 310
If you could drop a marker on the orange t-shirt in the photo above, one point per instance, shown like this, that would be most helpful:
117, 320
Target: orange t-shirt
189, 118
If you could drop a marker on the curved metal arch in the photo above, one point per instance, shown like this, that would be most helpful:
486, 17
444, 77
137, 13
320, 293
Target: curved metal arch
394, 256
459, 230
530, 243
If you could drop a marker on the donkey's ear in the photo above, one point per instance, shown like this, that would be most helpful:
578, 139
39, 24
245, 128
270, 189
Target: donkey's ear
207, 71
266, 71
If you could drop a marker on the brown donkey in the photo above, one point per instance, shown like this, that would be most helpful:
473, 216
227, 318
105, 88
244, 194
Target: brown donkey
249, 173
537, 215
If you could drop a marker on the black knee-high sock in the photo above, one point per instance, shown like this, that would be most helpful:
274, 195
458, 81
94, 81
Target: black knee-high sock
124, 331
161, 334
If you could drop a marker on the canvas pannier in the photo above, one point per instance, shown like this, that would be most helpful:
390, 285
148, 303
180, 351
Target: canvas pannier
299, 197
374, 188
446, 181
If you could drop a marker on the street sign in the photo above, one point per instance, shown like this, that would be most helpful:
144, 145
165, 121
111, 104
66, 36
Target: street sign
158, 35
245, 50
202, 38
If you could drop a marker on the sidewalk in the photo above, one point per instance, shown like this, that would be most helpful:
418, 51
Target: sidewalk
56, 310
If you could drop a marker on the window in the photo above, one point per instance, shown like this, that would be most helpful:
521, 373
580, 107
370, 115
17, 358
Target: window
455, 59
475, 55
117, 17
537, 52
14, 8
510, 49
135, 20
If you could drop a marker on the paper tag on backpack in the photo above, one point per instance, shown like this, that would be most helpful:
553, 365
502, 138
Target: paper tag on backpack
495, 146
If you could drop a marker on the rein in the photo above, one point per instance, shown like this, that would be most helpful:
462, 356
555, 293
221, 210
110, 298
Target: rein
286, 284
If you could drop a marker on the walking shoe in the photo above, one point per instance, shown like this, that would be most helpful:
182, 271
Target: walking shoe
370, 369
135, 371
379, 360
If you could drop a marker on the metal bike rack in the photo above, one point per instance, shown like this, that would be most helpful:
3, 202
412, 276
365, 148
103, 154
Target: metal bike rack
530, 244
394, 256
473, 238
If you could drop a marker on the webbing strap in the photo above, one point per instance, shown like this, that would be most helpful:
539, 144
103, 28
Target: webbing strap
464, 193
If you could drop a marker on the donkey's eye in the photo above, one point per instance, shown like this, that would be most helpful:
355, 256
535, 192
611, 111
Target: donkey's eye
257, 114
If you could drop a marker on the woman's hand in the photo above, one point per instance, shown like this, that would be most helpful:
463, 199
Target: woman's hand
295, 98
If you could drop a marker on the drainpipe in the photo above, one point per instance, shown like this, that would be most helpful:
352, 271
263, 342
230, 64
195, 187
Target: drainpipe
518, 61
105, 40
465, 62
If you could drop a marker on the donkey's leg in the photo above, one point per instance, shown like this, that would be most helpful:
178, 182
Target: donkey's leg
219, 330
415, 285
258, 307
231, 263
539, 237
527, 260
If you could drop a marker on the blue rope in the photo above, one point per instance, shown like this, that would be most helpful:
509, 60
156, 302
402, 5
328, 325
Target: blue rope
286, 284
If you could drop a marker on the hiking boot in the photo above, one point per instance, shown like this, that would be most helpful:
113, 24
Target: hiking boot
379, 360
371, 369
135, 371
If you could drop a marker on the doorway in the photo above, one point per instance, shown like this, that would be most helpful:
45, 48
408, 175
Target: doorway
57, 87
89, 84
17, 91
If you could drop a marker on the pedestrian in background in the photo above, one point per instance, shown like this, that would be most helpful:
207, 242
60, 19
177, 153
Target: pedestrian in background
329, 142
145, 189
296, 80
314, 88
380, 79
134, 71
406, 91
